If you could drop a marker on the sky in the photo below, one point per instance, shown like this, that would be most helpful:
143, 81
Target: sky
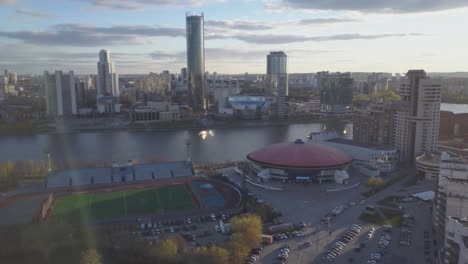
149, 35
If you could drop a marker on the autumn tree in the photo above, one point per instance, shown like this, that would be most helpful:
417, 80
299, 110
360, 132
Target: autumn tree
247, 231
374, 182
164, 249
90, 256
206, 255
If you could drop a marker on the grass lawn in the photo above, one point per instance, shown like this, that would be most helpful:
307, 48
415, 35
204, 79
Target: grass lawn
100, 206
391, 200
387, 217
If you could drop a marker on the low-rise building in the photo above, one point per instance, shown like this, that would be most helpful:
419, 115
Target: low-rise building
378, 157
155, 111
427, 166
246, 106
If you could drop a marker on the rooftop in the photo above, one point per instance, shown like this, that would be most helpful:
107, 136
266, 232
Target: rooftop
463, 221
300, 155
361, 144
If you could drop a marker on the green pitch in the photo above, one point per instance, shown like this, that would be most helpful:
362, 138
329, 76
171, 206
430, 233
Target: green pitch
100, 206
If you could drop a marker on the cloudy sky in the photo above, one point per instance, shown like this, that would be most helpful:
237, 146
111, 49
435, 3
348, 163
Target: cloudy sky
149, 35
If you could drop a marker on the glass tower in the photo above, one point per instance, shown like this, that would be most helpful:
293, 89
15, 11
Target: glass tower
196, 60
277, 72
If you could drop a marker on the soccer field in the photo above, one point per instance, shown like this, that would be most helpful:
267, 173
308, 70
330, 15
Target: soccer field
107, 205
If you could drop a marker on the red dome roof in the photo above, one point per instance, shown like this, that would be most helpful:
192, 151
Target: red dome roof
299, 154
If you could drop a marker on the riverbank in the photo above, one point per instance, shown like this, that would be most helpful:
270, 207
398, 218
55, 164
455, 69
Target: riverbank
71, 126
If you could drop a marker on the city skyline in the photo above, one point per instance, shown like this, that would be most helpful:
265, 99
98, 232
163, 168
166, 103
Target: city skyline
316, 36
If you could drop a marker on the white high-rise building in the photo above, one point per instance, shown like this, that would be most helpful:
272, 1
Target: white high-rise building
60, 93
108, 91
451, 209
416, 127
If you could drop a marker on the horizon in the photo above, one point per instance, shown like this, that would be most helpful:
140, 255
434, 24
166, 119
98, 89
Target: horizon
149, 36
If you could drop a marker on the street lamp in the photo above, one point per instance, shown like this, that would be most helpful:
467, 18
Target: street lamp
50, 163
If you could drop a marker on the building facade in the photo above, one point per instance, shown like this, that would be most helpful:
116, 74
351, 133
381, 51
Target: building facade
155, 111
336, 92
427, 166
220, 89
277, 80
456, 241
196, 60
451, 203
417, 120
107, 84
60, 94
374, 124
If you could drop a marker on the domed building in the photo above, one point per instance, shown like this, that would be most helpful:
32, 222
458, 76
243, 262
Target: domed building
300, 161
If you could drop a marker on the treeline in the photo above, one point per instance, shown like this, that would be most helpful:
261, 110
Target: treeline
13, 172
454, 97
59, 242
387, 95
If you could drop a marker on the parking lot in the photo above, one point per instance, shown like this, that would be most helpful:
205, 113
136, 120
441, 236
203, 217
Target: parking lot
310, 203
197, 232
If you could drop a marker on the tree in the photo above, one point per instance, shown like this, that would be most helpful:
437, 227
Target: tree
207, 255
375, 182
247, 235
90, 256
164, 249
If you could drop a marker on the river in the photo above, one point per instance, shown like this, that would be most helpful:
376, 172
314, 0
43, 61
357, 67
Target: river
214, 145
455, 108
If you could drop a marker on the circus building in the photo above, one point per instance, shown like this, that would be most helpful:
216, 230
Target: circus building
299, 161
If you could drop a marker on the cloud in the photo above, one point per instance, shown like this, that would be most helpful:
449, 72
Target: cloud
331, 20
283, 39
218, 25
239, 24
8, 2
32, 13
139, 4
392, 6
85, 35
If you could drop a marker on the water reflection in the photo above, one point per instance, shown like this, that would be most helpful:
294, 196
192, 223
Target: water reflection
207, 145
205, 133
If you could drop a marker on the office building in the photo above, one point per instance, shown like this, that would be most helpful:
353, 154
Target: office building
220, 89
9, 83
196, 61
60, 94
374, 124
277, 81
451, 208
416, 127
108, 90
155, 111
336, 91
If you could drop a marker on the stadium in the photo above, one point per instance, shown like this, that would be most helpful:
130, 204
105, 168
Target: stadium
299, 161
127, 190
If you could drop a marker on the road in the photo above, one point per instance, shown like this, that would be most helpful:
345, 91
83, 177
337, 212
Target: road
309, 203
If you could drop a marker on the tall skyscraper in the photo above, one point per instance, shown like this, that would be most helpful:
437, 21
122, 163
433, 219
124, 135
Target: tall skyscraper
277, 80
277, 73
336, 91
196, 60
107, 78
60, 93
108, 90
417, 121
